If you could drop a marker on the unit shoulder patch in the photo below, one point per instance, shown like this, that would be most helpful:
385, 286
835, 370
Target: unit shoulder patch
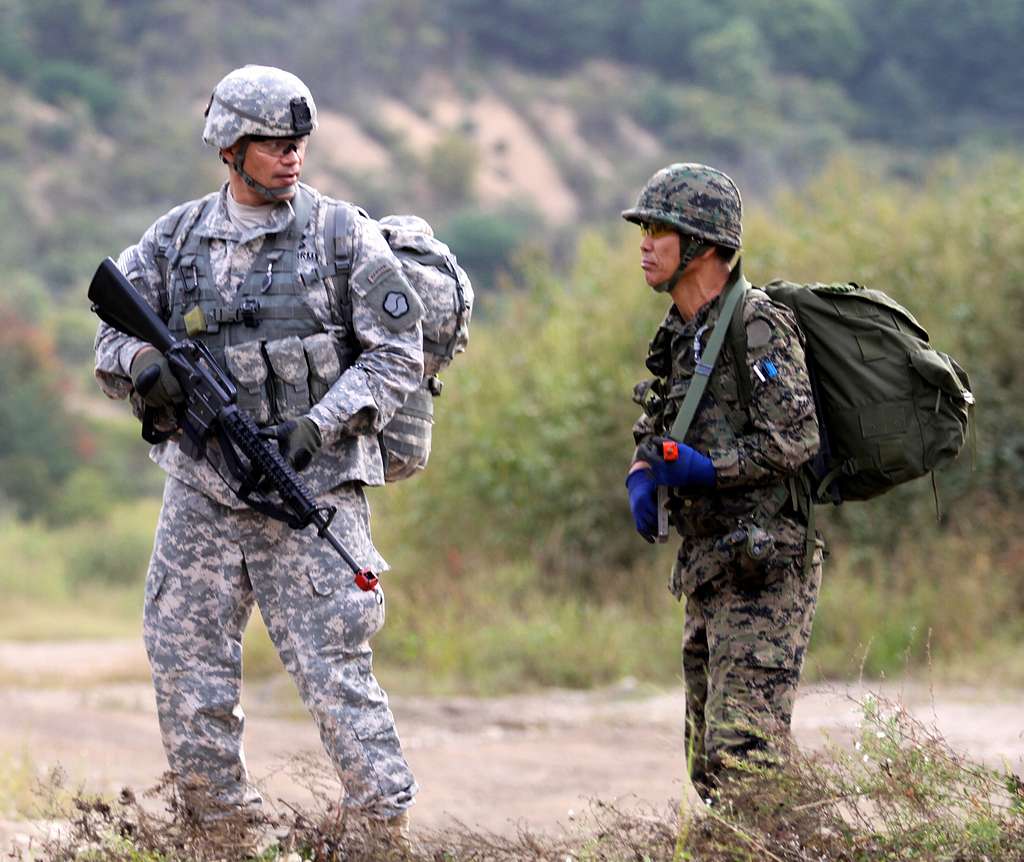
759, 333
395, 302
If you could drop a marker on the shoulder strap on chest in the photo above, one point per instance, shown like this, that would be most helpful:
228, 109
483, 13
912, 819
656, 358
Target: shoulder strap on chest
730, 302
169, 242
738, 342
338, 244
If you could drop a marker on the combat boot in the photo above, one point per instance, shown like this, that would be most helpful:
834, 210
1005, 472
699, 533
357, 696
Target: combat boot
398, 829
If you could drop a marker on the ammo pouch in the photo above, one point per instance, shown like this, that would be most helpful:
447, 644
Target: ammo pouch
323, 362
753, 549
245, 364
406, 438
282, 379
289, 390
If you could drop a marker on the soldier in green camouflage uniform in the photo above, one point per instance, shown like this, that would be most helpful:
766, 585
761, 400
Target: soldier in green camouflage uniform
245, 270
750, 599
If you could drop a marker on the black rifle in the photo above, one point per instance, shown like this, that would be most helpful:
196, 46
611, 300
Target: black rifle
209, 412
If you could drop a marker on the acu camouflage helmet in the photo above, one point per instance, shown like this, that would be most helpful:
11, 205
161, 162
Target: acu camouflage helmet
258, 100
697, 200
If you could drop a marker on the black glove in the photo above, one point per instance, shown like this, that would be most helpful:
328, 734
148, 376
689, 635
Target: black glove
153, 379
299, 440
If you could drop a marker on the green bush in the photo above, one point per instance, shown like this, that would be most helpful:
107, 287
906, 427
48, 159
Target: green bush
87, 493
533, 429
36, 434
451, 168
486, 241
110, 551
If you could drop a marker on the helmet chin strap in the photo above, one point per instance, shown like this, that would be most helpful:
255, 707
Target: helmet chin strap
693, 248
272, 195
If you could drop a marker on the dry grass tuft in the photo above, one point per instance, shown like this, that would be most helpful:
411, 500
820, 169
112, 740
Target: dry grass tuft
900, 792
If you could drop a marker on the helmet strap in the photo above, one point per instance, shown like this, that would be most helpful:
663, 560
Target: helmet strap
693, 247
238, 164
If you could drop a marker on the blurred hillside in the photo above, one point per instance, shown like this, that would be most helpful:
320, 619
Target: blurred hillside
875, 141
496, 120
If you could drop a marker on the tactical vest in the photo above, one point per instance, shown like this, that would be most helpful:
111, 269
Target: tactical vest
267, 337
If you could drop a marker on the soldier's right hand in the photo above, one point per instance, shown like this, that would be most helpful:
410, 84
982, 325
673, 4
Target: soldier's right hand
299, 440
643, 501
153, 379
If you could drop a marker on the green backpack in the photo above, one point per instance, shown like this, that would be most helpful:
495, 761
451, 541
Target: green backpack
890, 408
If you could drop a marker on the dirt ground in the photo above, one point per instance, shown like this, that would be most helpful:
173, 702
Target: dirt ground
531, 760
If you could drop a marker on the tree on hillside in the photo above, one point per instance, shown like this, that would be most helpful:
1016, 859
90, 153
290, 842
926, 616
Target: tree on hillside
953, 58
548, 36
37, 436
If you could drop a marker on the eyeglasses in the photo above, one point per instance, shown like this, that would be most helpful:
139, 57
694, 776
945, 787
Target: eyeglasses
278, 147
655, 229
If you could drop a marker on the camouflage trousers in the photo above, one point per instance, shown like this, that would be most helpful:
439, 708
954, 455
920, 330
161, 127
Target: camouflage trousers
210, 565
743, 650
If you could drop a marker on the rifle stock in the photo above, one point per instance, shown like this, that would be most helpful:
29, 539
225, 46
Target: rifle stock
116, 302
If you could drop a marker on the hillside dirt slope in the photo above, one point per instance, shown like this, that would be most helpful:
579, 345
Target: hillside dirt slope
533, 760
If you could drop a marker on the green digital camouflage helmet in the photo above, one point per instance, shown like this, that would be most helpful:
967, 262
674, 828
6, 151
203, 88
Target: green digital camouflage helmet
697, 200
702, 203
261, 101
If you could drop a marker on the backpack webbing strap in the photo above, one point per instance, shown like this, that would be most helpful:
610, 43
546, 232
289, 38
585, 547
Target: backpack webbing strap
801, 495
302, 209
168, 251
738, 340
734, 293
339, 261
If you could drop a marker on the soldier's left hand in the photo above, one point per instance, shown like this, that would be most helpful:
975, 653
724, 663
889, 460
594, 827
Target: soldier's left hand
688, 469
643, 501
299, 440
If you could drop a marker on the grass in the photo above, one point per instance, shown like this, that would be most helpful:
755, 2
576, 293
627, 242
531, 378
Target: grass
474, 625
17, 783
900, 792
515, 565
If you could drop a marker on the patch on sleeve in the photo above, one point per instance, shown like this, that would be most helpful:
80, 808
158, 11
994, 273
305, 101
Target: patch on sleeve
379, 273
759, 333
394, 301
395, 304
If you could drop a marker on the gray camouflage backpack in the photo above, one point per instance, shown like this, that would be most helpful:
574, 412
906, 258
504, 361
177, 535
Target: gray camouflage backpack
447, 296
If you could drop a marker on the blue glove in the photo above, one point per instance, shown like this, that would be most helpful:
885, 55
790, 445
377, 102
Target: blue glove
643, 502
689, 469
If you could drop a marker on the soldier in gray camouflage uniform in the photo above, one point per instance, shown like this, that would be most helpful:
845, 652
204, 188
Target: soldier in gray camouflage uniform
750, 599
245, 270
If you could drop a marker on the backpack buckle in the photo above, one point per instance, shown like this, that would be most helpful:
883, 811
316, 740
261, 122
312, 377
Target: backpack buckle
249, 308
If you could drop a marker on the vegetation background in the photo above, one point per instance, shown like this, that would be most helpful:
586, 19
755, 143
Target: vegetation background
874, 141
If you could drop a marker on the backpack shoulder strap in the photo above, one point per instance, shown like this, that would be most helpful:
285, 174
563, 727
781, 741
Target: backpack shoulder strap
172, 237
731, 301
338, 245
738, 342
